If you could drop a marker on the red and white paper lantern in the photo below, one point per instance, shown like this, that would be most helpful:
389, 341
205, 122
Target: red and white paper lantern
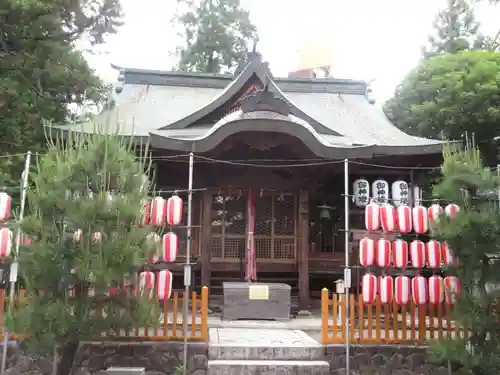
368, 288
5, 206
383, 255
433, 254
436, 290
434, 212
78, 235
372, 216
452, 210
164, 284
386, 288
146, 283
96, 237
417, 254
404, 219
145, 213
367, 252
154, 243
451, 289
402, 290
447, 254
419, 290
174, 210
400, 254
5, 242
420, 222
158, 211
388, 217
170, 247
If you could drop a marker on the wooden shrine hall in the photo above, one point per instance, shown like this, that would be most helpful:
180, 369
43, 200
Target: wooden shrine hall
284, 138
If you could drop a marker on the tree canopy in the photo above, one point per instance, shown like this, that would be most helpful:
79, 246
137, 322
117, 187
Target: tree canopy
84, 207
450, 95
216, 35
41, 71
474, 237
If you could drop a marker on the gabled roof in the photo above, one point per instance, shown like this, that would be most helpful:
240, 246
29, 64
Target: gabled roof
191, 112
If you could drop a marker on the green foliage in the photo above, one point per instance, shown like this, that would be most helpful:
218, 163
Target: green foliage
70, 192
455, 30
216, 33
41, 72
474, 236
451, 95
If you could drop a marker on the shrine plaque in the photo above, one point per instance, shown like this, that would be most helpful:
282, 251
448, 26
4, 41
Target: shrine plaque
258, 292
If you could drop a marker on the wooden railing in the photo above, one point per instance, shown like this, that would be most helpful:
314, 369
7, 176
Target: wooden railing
379, 323
171, 328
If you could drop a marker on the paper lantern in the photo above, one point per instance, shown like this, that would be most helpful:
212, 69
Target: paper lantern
158, 211
170, 247
402, 290
146, 283
400, 254
78, 235
164, 284
447, 255
436, 290
367, 252
434, 212
386, 288
5, 206
368, 288
388, 217
380, 191
433, 254
420, 222
404, 219
419, 290
96, 237
383, 254
452, 210
153, 243
5, 242
174, 210
451, 289
417, 254
361, 192
372, 216
400, 193
145, 213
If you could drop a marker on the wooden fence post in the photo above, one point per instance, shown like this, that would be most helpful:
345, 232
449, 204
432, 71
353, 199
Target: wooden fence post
324, 316
204, 313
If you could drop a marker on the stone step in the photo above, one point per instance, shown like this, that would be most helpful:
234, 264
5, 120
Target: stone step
267, 353
250, 367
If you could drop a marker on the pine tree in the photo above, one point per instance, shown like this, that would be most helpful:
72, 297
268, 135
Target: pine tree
70, 193
455, 30
217, 34
474, 237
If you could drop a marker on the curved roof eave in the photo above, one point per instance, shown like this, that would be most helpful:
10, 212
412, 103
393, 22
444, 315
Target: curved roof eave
213, 138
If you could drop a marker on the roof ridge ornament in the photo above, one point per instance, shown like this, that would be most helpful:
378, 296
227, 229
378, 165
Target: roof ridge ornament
265, 100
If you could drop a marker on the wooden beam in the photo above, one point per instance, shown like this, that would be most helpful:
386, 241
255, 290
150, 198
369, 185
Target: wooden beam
303, 249
206, 237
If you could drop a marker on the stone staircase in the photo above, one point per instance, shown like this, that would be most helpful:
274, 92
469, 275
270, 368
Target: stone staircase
264, 352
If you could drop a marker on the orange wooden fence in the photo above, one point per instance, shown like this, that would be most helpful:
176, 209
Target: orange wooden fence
379, 323
171, 328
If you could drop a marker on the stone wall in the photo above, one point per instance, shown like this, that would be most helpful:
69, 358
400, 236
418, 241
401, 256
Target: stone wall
383, 360
158, 358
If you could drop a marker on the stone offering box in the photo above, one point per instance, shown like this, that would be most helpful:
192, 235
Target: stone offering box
267, 301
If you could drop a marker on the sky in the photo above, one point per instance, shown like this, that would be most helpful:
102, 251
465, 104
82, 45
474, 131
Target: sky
377, 41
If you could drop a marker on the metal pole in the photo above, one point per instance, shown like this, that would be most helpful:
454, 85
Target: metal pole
187, 267
15, 265
347, 270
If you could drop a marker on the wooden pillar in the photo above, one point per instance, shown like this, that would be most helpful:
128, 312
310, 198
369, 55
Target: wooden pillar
206, 237
303, 249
